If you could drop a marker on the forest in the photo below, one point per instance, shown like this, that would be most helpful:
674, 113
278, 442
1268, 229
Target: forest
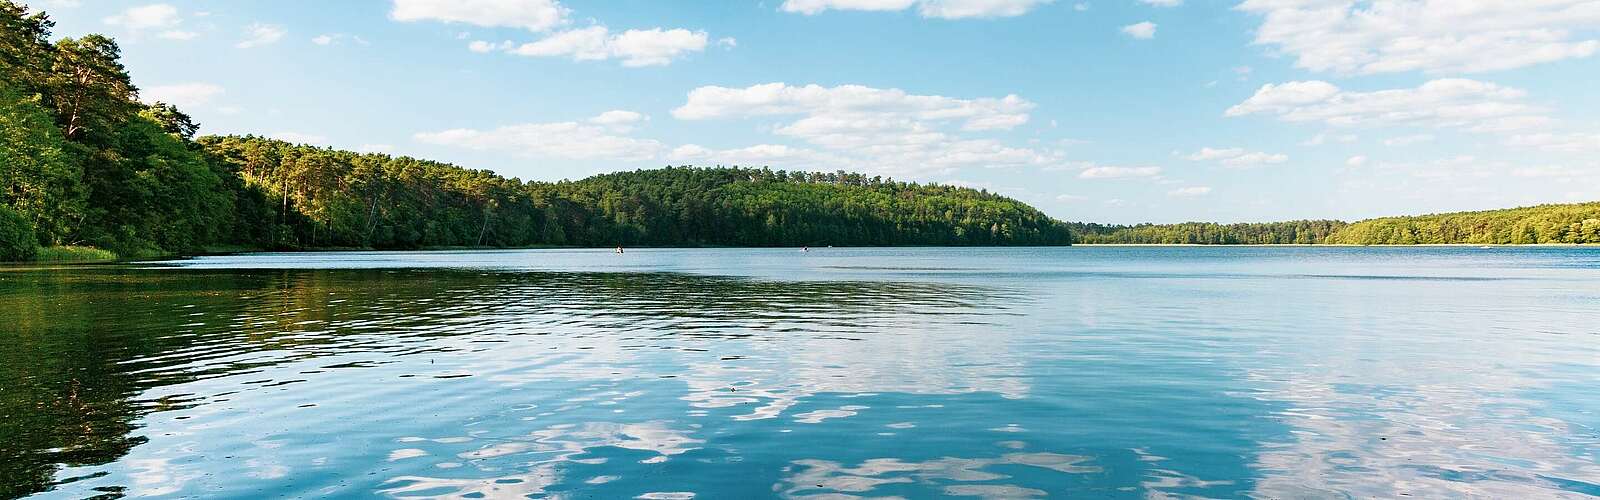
1576, 223
1306, 232
84, 163
86, 168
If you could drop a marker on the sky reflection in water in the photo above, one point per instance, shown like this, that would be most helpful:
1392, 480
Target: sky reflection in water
1107, 372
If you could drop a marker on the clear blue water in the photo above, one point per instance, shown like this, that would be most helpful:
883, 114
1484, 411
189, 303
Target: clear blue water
1103, 372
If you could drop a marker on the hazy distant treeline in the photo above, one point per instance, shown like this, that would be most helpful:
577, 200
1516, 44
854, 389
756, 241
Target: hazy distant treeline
1560, 223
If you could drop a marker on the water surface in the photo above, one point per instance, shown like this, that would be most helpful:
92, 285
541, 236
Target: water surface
992, 373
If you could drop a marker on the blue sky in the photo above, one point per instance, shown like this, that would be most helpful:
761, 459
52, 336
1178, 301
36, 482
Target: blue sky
1100, 110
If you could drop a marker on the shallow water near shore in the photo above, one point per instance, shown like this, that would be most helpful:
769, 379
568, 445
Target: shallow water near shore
1110, 372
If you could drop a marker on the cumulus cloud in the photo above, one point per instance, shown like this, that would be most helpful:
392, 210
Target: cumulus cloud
763, 155
1114, 172
299, 138
1324, 138
159, 17
1143, 31
1435, 36
885, 128
634, 47
182, 95
1189, 192
1356, 161
148, 17
941, 9
532, 15
1237, 157
337, 38
849, 105
1447, 103
652, 47
1565, 142
578, 140
1407, 140
257, 35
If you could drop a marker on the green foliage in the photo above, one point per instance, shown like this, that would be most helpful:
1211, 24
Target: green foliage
17, 241
83, 162
36, 178
1305, 232
329, 198
1570, 223
74, 254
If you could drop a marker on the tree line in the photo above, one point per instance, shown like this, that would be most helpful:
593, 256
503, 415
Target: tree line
84, 162
1304, 232
1576, 223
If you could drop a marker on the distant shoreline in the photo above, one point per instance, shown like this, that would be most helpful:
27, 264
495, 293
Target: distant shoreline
1495, 245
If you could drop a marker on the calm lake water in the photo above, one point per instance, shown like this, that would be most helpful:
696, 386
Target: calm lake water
999, 373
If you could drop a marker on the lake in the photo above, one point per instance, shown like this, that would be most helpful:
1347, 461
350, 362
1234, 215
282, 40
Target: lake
1105, 372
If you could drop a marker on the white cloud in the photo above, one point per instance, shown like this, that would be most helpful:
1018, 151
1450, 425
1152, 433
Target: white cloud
583, 140
1237, 157
617, 117
1448, 103
182, 95
1407, 140
1080, 7
1569, 143
1162, 3
1557, 171
881, 128
532, 15
483, 47
148, 17
1111, 172
652, 47
845, 106
337, 38
1071, 198
763, 155
1143, 31
1189, 192
1435, 36
258, 34
942, 9
177, 35
299, 138
1323, 138
1356, 161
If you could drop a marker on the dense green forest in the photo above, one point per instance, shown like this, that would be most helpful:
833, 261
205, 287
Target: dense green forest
84, 165
84, 162
1561, 223
1209, 233
1566, 223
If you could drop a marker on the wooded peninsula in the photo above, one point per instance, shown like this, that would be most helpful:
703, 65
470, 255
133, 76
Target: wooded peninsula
88, 171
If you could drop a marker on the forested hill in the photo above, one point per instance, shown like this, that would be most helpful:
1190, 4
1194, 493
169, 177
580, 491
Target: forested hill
1560, 223
338, 198
84, 162
1208, 233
